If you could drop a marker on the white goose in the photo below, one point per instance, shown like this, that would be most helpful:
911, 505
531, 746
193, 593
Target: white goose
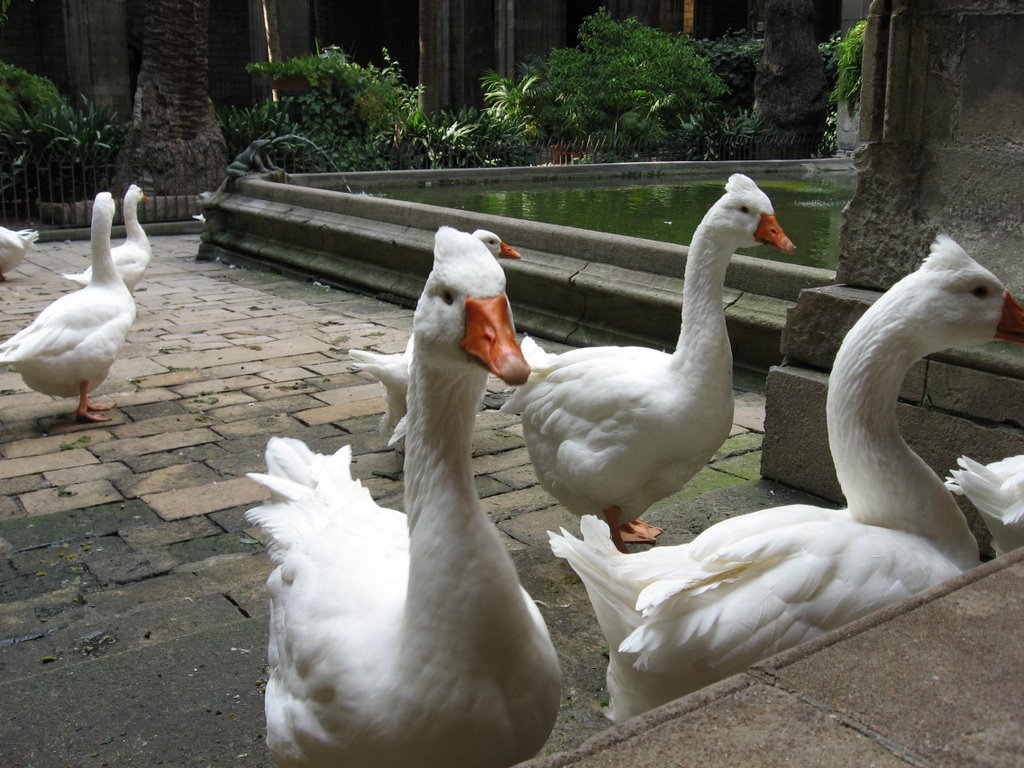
997, 491
392, 370
401, 641
679, 618
611, 430
68, 349
14, 247
132, 257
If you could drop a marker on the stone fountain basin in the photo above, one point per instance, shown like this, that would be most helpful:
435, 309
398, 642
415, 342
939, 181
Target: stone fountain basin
573, 285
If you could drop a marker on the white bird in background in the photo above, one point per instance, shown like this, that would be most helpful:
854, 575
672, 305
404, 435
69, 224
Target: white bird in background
679, 618
406, 639
392, 370
997, 491
68, 349
132, 257
611, 430
14, 247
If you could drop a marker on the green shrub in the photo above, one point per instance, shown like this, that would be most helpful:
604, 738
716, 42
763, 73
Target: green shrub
625, 83
21, 90
360, 116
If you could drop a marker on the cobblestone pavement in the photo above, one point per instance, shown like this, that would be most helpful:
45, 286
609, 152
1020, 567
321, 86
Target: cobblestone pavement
132, 610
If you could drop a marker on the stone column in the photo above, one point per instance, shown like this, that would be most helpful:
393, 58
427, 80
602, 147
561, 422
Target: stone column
97, 48
943, 121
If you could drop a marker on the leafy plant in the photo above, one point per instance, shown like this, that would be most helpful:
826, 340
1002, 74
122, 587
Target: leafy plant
243, 125
63, 151
715, 133
849, 56
623, 84
22, 90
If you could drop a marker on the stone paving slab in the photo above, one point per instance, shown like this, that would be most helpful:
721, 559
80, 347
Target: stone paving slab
132, 606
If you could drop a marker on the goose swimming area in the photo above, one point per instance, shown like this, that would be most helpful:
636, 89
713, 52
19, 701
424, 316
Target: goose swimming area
666, 208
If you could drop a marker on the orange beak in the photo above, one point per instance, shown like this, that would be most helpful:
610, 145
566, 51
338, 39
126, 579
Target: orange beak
1011, 326
506, 251
770, 233
491, 339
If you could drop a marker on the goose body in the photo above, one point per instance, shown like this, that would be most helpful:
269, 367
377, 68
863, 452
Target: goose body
679, 618
14, 247
997, 491
610, 430
68, 349
406, 639
133, 256
392, 370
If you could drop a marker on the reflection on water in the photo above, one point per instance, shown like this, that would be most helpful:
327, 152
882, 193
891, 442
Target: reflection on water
808, 207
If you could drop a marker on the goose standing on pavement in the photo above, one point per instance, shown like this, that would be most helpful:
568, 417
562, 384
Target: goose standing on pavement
132, 257
611, 430
68, 349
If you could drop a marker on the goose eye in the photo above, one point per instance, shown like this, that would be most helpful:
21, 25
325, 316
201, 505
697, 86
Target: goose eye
448, 298
981, 292
745, 209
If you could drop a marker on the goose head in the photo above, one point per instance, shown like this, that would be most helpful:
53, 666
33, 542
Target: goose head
134, 194
744, 216
498, 247
463, 314
951, 300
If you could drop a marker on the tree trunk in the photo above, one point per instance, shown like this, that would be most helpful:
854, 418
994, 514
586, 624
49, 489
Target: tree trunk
174, 145
790, 90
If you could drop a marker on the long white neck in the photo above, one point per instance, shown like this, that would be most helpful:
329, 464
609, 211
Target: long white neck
133, 230
703, 339
884, 481
103, 270
459, 569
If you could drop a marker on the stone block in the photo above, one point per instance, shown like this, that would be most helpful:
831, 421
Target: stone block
977, 394
45, 462
79, 496
199, 500
795, 449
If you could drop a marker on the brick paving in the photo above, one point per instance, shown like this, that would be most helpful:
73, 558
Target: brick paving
129, 536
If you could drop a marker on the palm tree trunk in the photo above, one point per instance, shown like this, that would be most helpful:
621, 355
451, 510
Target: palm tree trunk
174, 145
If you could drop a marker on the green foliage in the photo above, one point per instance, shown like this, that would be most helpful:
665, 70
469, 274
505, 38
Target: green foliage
320, 69
243, 125
21, 90
624, 83
849, 55
514, 103
715, 133
734, 58
73, 148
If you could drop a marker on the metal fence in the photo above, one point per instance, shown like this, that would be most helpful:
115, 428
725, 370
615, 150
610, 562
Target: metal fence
52, 192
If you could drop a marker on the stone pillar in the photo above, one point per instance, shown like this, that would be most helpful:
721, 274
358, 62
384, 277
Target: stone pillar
943, 124
95, 34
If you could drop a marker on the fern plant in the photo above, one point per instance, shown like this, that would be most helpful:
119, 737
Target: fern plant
850, 53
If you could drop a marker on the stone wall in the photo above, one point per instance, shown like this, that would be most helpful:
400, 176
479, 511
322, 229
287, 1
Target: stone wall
943, 125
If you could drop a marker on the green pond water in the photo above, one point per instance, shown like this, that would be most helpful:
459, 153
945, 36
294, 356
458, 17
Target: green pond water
808, 207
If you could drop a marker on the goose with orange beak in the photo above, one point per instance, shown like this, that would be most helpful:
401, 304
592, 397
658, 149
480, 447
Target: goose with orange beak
611, 430
406, 639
